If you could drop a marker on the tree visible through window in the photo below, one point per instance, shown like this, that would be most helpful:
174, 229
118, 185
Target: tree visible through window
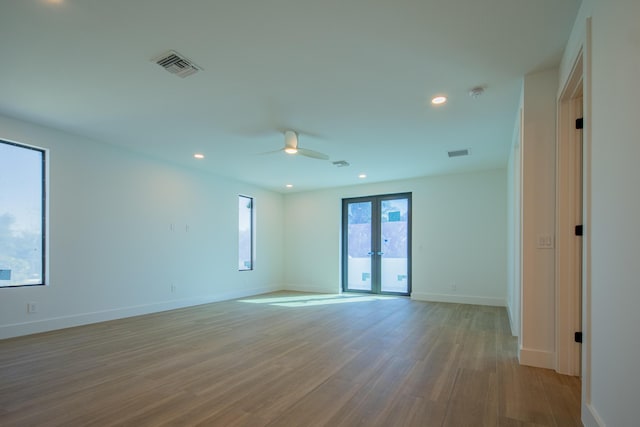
245, 233
22, 215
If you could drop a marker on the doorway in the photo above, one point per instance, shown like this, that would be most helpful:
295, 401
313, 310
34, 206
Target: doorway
376, 244
569, 224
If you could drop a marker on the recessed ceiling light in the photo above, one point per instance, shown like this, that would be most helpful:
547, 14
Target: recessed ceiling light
362, 175
438, 100
289, 185
199, 156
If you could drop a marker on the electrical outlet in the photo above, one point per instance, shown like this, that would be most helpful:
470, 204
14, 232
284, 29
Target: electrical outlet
173, 288
32, 307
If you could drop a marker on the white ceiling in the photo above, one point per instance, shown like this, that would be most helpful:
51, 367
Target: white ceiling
358, 73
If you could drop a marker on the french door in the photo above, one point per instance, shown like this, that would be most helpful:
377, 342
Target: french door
376, 244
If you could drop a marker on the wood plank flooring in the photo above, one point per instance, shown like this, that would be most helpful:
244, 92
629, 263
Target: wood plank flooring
285, 359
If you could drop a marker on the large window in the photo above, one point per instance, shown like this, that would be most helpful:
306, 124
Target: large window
245, 233
22, 215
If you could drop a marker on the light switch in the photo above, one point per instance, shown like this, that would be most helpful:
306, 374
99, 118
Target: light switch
545, 241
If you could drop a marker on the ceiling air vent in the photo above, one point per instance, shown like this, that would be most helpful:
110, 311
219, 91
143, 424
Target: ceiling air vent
458, 153
176, 64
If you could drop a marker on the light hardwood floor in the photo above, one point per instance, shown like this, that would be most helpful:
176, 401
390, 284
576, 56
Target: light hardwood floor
285, 360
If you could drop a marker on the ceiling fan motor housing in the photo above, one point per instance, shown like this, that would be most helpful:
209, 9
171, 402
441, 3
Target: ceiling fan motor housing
291, 139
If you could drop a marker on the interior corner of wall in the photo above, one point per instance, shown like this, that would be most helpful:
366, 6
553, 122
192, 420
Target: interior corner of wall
590, 417
512, 323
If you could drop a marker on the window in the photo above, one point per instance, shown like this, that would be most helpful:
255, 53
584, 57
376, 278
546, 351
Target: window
245, 233
22, 215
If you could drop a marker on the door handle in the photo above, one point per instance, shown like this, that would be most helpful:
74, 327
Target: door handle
370, 253
380, 253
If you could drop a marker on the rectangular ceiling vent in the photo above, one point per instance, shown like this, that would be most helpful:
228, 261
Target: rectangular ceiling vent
176, 64
458, 153
341, 163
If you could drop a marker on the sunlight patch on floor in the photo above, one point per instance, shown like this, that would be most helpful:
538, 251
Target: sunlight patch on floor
315, 300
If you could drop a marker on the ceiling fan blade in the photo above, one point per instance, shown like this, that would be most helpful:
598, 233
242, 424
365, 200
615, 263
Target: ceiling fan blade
280, 150
313, 154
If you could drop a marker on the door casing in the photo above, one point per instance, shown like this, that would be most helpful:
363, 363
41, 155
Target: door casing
569, 213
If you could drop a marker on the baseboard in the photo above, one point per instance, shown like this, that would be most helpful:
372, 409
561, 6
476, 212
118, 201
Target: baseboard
312, 289
458, 299
537, 358
62, 322
590, 417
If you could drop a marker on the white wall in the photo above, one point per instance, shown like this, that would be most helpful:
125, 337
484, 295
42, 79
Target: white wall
459, 236
611, 377
112, 253
538, 147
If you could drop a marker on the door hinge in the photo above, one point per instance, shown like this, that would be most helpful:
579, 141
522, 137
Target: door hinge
579, 231
577, 337
579, 123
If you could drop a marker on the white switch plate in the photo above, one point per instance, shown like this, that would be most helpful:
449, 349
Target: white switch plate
545, 241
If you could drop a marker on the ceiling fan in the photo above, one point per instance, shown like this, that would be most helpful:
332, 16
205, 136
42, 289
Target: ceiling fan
291, 147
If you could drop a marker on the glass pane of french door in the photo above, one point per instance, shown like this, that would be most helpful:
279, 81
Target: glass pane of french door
359, 234
394, 249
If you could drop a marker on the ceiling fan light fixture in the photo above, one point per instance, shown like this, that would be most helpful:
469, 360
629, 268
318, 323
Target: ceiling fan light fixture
291, 147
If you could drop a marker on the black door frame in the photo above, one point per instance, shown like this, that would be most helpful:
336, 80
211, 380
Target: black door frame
376, 255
